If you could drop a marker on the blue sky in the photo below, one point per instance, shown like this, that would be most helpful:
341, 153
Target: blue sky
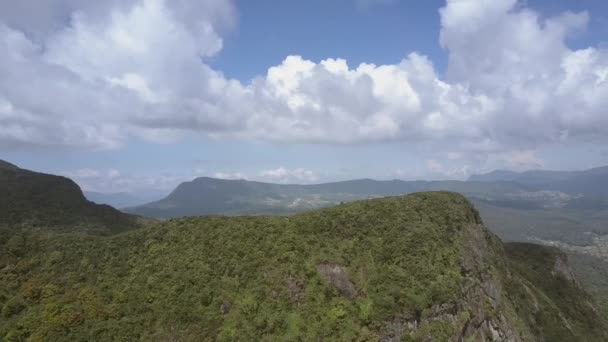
139, 95
382, 33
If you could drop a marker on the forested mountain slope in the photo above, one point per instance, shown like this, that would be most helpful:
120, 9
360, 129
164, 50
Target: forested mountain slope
413, 268
35, 200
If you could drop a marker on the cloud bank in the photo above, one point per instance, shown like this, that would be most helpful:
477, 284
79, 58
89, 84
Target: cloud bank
137, 69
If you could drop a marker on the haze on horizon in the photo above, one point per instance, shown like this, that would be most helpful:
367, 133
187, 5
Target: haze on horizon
140, 95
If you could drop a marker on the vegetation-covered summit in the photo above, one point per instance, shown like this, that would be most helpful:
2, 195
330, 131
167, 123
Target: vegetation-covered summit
403, 268
36, 200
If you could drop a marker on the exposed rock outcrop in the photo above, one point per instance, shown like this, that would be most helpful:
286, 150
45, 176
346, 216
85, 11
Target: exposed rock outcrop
338, 277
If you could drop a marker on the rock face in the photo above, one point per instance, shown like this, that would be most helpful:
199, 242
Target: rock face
561, 268
548, 298
338, 277
482, 312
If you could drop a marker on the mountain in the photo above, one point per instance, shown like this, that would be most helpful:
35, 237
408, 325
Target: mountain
210, 196
40, 201
592, 182
115, 199
415, 268
527, 177
4, 165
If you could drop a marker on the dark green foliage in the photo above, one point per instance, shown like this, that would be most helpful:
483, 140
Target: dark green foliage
173, 278
251, 278
548, 296
39, 201
4, 165
593, 274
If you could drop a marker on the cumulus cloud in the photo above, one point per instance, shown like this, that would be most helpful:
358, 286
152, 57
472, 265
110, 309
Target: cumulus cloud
229, 175
136, 69
114, 72
541, 89
283, 175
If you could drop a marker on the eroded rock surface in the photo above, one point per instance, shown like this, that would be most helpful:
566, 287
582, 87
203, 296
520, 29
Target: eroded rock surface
338, 277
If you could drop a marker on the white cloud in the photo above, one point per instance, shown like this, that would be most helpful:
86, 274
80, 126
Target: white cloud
132, 69
283, 175
521, 160
229, 175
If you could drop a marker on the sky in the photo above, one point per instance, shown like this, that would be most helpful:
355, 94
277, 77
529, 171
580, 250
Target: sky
140, 95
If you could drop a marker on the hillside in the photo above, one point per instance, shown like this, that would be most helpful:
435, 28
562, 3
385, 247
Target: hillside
592, 182
533, 190
211, 196
413, 268
35, 200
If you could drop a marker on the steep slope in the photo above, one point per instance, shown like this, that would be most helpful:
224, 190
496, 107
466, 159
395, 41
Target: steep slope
4, 165
562, 310
36, 200
415, 268
210, 196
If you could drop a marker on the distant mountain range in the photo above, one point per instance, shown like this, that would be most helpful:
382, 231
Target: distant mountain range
206, 196
528, 190
592, 182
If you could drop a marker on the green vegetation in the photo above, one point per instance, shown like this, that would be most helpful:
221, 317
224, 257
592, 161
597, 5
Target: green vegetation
32, 200
404, 268
561, 310
593, 275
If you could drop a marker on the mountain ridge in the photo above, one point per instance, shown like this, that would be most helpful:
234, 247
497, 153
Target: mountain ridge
415, 267
213, 196
408, 267
592, 182
33, 199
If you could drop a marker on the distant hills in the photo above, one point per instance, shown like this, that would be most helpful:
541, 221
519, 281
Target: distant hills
416, 268
41, 201
586, 190
210, 196
592, 182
